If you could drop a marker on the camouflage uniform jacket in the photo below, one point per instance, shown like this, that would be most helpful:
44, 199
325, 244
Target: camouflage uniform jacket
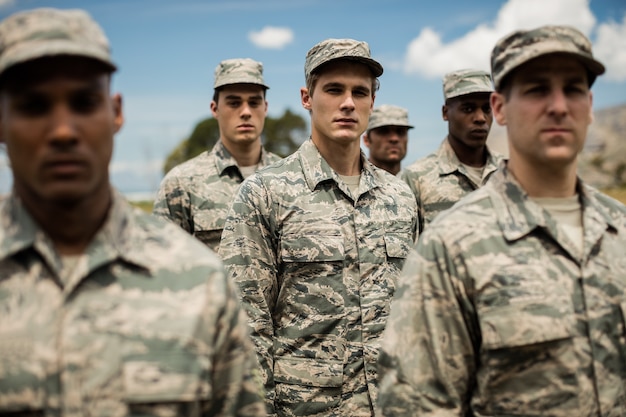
317, 269
439, 180
145, 323
497, 315
197, 194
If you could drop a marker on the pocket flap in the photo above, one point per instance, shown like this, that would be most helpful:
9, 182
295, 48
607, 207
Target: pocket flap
520, 325
397, 245
163, 381
209, 220
309, 372
312, 248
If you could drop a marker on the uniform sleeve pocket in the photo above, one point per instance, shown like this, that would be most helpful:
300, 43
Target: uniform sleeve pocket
308, 372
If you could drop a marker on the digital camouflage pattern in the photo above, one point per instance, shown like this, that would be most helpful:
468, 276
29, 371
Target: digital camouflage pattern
239, 71
47, 32
439, 180
197, 194
466, 81
388, 115
331, 49
317, 268
521, 46
496, 315
144, 323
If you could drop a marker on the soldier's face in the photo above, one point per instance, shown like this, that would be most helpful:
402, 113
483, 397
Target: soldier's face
240, 112
58, 121
547, 111
387, 144
469, 120
341, 102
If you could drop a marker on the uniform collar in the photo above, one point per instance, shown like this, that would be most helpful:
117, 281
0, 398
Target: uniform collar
518, 215
316, 170
117, 239
225, 161
450, 163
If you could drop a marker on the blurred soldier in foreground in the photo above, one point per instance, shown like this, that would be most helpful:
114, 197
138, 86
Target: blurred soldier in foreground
197, 194
514, 302
104, 310
386, 137
316, 243
463, 162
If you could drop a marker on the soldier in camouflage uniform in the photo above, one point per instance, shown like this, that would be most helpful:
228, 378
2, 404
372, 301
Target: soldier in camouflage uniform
197, 194
514, 301
386, 137
463, 161
316, 243
105, 310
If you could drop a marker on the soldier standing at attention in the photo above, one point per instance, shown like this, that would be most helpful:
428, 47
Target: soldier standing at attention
463, 162
197, 194
514, 301
386, 137
316, 242
105, 310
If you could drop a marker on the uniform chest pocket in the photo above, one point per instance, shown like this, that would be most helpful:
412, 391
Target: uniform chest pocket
526, 347
208, 227
313, 246
175, 380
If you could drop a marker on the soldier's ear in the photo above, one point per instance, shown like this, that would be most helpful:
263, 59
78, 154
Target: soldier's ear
444, 112
305, 98
498, 107
366, 139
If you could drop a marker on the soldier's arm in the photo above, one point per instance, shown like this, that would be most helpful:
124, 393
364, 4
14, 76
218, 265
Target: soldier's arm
235, 377
412, 179
172, 203
426, 365
248, 250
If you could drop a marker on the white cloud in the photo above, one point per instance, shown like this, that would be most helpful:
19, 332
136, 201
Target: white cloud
429, 56
610, 49
6, 3
271, 37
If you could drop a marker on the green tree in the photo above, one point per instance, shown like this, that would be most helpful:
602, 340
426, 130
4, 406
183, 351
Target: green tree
203, 137
281, 136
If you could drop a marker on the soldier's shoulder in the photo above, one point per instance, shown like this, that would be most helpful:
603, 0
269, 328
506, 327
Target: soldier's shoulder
613, 208
473, 211
422, 165
178, 248
199, 165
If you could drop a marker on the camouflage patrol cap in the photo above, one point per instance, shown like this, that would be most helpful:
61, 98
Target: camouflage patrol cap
466, 81
239, 71
388, 115
521, 46
332, 49
43, 32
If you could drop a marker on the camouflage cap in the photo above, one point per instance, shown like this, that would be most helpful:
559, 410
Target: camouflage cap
332, 49
39, 33
239, 71
466, 81
521, 46
388, 115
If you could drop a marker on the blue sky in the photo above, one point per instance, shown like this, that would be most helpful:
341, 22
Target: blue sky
167, 51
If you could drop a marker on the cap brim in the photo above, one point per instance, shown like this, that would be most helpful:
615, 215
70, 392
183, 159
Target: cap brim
35, 50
